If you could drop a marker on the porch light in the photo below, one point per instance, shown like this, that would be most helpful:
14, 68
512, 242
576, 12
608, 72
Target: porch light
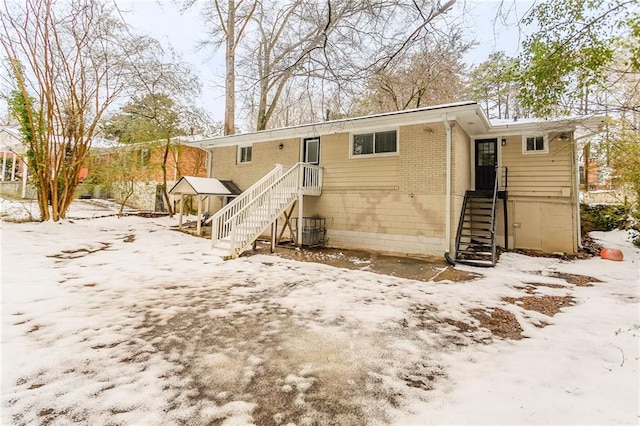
564, 137
503, 142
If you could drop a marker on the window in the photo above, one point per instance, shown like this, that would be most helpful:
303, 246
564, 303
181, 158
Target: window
534, 144
375, 143
145, 156
244, 154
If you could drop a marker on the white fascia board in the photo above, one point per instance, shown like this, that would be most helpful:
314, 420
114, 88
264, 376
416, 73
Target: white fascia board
368, 123
568, 124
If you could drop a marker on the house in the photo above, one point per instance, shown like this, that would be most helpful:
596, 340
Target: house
135, 171
428, 181
14, 173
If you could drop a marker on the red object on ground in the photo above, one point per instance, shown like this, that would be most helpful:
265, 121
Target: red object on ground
611, 254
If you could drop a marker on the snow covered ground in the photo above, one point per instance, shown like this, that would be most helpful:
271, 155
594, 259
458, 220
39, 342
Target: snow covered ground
125, 321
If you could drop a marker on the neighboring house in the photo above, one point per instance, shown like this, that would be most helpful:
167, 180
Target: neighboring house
13, 173
420, 182
144, 171
13, 161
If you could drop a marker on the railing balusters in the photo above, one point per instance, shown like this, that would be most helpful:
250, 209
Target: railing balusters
256, 207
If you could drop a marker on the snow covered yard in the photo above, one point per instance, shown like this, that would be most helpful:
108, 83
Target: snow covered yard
123, 321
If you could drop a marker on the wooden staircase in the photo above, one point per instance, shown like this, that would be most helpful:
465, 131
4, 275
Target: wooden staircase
238, 224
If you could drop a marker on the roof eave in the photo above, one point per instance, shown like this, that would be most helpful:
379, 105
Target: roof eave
566, 124
405, 117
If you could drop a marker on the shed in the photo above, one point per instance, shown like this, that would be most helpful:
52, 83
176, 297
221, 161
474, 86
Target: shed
202, 187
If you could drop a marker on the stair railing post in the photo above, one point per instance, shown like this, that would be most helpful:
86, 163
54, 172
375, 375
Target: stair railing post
181, 210
199, 220
214, 232
232, 235
493, 221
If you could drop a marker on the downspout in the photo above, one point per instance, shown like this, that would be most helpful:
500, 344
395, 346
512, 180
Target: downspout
447, 202
208, 165
575, 187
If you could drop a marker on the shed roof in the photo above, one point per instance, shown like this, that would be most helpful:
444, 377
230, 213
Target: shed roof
191, 185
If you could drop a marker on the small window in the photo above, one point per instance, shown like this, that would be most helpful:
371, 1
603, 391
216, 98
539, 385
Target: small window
375, 143
145, 156
244, 154
534, 144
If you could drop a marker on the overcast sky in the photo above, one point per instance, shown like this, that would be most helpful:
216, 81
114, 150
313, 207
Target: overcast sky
183, 30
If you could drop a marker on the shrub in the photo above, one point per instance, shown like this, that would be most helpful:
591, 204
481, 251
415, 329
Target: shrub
607, 217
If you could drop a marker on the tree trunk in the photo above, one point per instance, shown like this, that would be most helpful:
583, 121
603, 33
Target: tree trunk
230, 80
165, 194
127, 195
42, 190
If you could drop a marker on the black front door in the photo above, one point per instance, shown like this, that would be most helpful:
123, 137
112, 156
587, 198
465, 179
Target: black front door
486, 161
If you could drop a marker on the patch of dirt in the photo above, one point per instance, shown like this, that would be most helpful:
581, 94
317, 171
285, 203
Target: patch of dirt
577, 280
590, 246
426, 317
462, 327
81, 252
129, 238
290, 373
148, 214
589, 249
548, 305
419, 269
425, 380
501, 323
532, 288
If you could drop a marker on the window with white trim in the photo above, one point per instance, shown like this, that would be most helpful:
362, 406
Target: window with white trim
535, 144
244, 154
374, 143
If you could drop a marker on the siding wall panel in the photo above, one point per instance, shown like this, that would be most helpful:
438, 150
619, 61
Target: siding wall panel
538, 175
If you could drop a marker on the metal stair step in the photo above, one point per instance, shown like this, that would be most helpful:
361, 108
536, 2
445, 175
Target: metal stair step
476, 262
480, 237
478, 245
481, 223
474, 253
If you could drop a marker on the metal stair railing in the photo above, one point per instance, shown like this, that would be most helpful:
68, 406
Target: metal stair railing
460, 226
498, 182
493, 220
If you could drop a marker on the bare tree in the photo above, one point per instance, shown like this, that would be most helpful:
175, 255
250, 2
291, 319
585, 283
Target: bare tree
69, 62
341, 43
430, 74
227, 22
